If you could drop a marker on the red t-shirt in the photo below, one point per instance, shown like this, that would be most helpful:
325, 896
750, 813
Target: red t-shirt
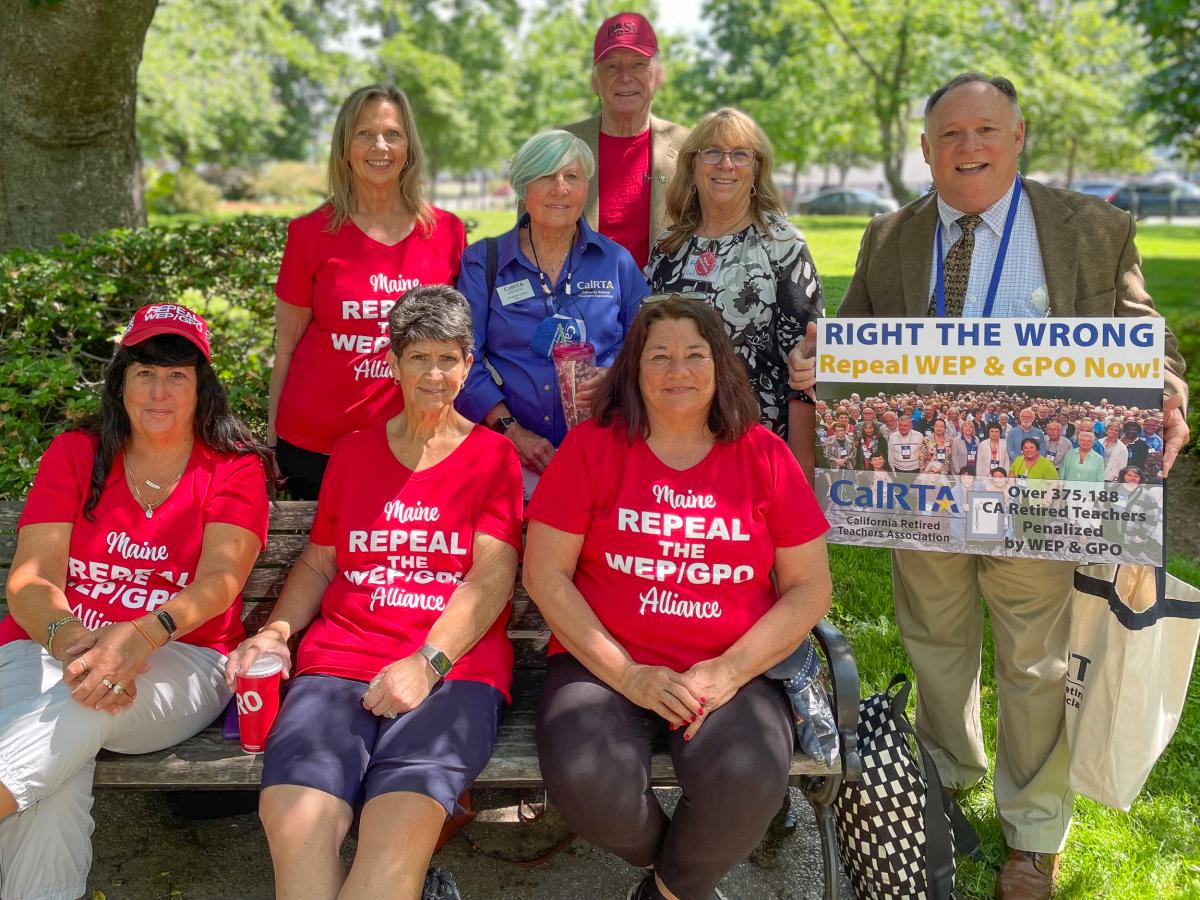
624, 186
404, 542
676, 565
338, 380
123, 565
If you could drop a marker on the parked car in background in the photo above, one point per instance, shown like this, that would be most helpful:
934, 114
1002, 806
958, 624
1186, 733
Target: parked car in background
846, 202
1157, 197
1097, 188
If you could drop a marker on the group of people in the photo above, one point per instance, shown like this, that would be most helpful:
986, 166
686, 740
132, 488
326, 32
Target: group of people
674, 545
969, 433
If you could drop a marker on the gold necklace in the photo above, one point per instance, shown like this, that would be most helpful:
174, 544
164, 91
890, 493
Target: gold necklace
150, 507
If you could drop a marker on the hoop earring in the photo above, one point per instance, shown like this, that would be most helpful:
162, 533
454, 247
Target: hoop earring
753, 190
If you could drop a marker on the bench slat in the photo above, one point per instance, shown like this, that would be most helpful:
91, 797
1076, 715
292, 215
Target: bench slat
209, 762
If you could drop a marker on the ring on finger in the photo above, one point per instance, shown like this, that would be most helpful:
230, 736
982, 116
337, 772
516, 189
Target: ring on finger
390, 715
118, 689
108, 685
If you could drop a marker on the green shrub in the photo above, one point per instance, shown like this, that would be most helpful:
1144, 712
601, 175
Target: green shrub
61, 311
170, 193
289, 181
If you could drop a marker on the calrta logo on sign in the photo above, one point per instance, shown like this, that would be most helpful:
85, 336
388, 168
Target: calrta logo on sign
891, 495
1077, 666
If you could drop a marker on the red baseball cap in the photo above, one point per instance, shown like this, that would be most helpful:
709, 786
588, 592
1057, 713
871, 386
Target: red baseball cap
167, 318
629, 30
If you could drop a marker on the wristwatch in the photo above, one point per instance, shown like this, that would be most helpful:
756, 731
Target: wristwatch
167, 622
503, 423
438, 661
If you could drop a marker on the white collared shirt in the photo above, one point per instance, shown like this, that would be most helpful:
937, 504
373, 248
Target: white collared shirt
1022, 289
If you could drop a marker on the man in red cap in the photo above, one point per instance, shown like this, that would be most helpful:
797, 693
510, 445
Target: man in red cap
635, 152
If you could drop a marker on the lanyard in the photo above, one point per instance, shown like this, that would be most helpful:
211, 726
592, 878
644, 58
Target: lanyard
997, 268
548, 291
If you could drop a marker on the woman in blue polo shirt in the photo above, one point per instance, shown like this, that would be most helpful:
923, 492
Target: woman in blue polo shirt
555, 279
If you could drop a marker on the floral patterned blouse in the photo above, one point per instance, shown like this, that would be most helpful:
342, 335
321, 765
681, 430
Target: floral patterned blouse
766, 289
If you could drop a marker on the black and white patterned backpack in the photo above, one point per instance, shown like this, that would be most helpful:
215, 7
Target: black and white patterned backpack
897, 831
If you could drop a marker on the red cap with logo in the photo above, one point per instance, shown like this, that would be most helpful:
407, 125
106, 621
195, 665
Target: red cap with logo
629, 30
154, 319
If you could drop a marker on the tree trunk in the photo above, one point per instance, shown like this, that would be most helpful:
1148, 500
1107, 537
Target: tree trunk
68, 100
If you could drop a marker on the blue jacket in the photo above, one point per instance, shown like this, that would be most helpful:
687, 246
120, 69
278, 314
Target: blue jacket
606, 290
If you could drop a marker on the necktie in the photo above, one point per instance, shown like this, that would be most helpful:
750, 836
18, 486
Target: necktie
956, 269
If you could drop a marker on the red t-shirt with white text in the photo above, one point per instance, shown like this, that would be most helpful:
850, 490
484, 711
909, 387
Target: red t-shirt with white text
403, 542
624, 191
338, 380
123, 565
676, 564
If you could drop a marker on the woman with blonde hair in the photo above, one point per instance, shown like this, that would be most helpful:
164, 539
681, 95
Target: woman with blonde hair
732, 245
345, 266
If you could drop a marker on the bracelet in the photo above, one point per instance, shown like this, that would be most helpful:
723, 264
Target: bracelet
52, 629
142, 632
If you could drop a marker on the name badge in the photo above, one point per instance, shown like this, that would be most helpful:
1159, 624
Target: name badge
704, 266
515, 292
906, 450
941, 454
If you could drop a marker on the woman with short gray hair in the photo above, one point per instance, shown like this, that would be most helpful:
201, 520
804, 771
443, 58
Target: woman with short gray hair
399, 680
550, 279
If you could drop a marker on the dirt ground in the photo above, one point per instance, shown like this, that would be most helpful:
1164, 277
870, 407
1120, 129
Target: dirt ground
145, 850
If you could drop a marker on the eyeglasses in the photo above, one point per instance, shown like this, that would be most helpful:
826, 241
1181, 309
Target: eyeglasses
712, 156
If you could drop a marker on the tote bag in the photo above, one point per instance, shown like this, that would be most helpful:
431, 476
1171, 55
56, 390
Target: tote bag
1133, 641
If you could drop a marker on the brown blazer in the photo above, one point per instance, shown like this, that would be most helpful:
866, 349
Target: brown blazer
1092, 266
666, 139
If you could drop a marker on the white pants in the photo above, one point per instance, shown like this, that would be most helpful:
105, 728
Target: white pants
48, 747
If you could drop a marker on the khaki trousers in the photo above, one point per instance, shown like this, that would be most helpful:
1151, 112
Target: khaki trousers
941, 622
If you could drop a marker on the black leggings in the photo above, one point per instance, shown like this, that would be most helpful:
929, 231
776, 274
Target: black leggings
594, 747
303, 469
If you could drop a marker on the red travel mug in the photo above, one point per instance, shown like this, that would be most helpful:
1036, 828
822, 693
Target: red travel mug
258, 701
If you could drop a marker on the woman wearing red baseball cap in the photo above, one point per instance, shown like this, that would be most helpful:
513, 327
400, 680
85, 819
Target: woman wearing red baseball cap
125, 591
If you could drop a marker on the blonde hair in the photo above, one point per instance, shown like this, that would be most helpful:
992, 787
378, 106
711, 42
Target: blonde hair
341, 180
733, 128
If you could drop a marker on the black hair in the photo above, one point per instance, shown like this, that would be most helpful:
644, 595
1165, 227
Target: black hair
215, 423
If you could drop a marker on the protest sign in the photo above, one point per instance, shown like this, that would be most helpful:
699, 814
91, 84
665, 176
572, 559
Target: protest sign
1036, 438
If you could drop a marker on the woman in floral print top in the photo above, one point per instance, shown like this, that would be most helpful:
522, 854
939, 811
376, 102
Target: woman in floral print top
733, 246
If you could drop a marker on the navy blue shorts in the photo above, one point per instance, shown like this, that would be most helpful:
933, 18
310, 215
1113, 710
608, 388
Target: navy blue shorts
324, 739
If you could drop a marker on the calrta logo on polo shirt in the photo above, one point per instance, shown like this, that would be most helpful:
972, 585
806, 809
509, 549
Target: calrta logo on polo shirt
595, 287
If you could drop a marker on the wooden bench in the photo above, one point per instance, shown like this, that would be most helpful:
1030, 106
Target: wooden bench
209, 762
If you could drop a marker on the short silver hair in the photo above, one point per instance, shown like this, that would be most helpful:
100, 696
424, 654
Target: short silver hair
431, 312
546, 153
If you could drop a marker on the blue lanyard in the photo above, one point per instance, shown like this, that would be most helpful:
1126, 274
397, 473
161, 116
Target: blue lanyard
996, 269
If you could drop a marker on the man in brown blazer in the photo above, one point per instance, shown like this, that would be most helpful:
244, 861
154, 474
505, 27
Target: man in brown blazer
635, 151
1069, 255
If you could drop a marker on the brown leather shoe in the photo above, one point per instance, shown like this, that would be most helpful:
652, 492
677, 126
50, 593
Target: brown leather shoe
1027, 876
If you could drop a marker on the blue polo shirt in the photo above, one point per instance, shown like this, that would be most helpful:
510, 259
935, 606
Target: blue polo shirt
606, 290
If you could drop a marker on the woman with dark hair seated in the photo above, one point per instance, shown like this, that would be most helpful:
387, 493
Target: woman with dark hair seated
124, 593
404, 590
653, 536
